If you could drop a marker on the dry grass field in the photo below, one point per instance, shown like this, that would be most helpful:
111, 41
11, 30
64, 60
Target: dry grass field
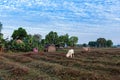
98, 64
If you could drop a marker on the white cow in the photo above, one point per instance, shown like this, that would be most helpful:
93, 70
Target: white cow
70, 53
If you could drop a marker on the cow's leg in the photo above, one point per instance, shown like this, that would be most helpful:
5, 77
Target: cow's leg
71, 55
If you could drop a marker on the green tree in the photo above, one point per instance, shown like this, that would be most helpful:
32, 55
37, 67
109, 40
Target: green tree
0, 27
92, 43
109, 43
1, 40
84, 45
101, 42
64, 39
29, 43
18, 47
52, 38
37, 37
1, 36
19, 34
43, 42
37, 40
73, 40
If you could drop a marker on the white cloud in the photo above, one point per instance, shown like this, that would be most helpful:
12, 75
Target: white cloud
87, 19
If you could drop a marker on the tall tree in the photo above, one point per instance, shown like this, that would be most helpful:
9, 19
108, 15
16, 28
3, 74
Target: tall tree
109, 43
101, 42
52, 38
73, 40
43, 42
0, 27
37, 37
19, 34
64, 40
1, 35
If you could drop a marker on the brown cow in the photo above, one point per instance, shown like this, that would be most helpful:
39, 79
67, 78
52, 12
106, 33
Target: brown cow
86, 49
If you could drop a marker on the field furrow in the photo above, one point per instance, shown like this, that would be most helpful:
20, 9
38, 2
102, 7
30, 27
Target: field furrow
95, 65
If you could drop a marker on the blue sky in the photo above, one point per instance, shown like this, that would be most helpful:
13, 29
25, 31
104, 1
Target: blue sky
86, 19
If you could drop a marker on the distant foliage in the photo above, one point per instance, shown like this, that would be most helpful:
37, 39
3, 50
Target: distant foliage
62, 40
1, 35
109, 43
28, 43
19, 34
51, 38
0, 27
35, 41
2, 41
100, 42
92, 43
73, 40
37, 37
84, 45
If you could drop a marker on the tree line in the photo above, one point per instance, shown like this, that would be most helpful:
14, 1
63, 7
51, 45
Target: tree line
28, 41
101, 42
